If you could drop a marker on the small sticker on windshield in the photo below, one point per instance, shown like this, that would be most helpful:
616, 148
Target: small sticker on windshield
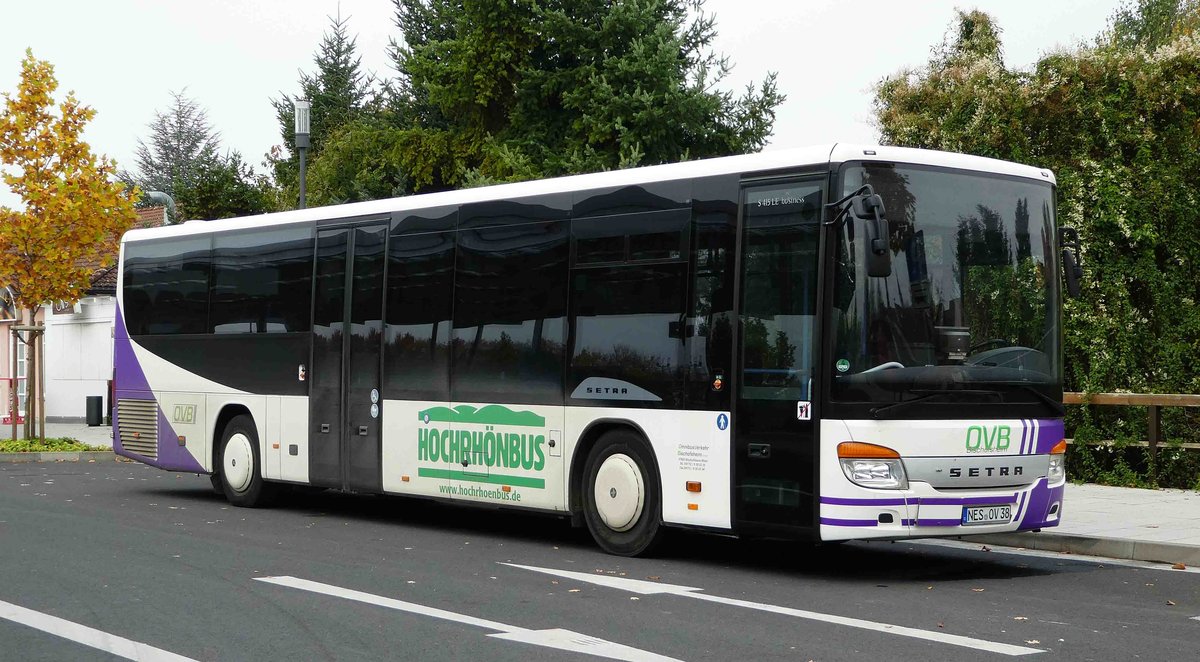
843, 365
803, 410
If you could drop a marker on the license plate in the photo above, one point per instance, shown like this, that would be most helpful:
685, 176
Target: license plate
986, 515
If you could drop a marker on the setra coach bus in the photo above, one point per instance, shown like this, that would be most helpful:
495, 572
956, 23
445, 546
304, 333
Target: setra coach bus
828, 343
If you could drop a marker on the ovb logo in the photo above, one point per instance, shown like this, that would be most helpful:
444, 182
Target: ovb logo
722, 422
185, 414
981, 440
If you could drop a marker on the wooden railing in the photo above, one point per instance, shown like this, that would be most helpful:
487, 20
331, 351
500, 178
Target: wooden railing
1151, 401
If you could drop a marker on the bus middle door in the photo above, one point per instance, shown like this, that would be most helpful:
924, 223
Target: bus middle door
344, 399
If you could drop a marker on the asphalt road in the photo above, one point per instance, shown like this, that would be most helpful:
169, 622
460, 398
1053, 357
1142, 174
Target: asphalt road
155, 565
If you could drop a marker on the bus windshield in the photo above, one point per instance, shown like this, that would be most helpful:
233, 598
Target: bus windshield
970, 312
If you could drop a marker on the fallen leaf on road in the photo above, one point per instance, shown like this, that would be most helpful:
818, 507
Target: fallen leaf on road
1179, 566
573, 590
941, 625
986, 548
1032, 641
978, 590
1171, 603
1020, 618
635, 598
928, 588
654, 578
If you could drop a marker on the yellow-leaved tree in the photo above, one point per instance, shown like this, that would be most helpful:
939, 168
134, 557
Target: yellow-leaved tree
75, 209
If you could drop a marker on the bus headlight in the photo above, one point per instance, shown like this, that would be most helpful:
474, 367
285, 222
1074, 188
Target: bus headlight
1057, 471
873, 466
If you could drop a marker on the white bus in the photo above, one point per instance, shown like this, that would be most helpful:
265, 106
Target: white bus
829, 343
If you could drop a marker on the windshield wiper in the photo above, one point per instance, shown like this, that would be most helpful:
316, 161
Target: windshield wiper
929, 394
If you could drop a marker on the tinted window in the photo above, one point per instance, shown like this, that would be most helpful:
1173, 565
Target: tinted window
509, 313
166, 286
631, 237
779, 287
262, 282
628, 334
509, 212
416, 221
710, 314
419, 299
630, 199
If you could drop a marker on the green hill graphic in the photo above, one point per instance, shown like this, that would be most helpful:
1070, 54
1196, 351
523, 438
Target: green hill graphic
489, 415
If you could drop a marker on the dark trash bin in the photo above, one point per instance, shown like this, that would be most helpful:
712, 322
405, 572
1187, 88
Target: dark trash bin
95, 410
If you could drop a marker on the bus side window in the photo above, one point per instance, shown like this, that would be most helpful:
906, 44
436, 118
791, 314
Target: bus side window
628, 309
510, 300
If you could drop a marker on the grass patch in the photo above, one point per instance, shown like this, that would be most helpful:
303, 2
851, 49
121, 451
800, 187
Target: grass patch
49, 445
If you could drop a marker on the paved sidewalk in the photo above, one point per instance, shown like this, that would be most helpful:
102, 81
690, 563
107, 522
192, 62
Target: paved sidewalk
1120, 522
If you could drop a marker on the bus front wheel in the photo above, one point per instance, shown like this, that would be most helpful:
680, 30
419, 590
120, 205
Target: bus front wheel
241, 478
622, 504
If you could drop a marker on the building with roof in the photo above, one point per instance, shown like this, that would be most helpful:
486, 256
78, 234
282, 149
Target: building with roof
79, 346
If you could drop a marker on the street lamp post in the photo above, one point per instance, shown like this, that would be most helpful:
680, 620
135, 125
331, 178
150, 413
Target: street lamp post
302, 108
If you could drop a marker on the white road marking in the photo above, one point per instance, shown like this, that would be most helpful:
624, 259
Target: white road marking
651, 588
1196, 618
82, 634
560, 639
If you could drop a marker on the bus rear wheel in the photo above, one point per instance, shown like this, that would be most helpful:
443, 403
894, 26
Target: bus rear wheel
622, 503
241, 478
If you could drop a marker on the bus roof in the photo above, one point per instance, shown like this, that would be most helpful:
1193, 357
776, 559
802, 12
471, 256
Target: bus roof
760, 162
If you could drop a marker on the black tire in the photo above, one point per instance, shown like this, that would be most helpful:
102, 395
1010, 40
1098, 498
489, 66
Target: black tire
642, 533
215, 478
243, 486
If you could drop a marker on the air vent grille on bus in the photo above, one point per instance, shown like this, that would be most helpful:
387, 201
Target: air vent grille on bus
137, 423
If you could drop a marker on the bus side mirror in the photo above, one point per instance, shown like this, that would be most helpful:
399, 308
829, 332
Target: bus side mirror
1068, 239
870, 209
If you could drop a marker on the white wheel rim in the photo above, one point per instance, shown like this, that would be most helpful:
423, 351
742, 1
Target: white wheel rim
237, 463
620, 493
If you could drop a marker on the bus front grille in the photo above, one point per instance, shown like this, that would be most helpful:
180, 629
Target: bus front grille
137, 425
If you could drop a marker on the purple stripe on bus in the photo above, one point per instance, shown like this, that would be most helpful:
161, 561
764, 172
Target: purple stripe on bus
1039, 505
1025, 433
842, 501
848, 522
1050, 432
1020, 507
130, 376
968, 501
131, 383
908, 522
939, 522
170, 454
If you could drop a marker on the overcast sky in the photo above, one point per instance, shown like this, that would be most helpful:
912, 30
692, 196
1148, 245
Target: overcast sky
124, 57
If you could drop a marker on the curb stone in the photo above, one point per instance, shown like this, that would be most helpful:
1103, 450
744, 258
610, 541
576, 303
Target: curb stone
1113, 548
69, 456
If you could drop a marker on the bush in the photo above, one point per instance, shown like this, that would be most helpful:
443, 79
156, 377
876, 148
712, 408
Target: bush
61, 445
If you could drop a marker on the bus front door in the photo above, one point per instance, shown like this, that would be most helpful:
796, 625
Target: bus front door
345, 407
774, 433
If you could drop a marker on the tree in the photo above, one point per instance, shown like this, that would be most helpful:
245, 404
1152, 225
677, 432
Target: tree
1117, 122
75, 208
224, 188
181, 144
338, 92
182, 158
491, 92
